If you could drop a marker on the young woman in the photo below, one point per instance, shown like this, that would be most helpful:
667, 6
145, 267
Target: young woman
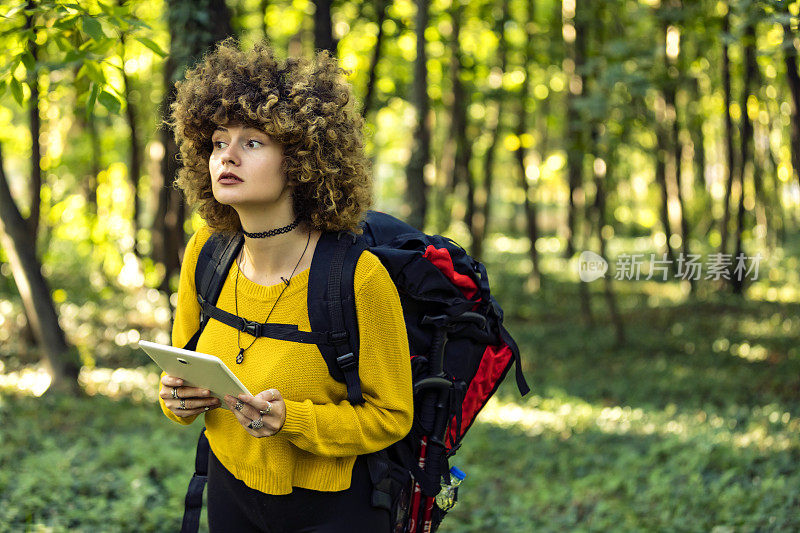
274, 150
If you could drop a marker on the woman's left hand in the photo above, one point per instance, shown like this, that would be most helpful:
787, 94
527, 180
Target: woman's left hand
267, 407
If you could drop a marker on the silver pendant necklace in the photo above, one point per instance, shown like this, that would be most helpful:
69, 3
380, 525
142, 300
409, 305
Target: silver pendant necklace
286, 282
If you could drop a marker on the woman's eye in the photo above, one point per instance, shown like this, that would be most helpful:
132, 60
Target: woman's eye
220, 144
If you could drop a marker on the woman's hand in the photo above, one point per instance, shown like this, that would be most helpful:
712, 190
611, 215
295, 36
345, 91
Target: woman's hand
185, 401
261, 415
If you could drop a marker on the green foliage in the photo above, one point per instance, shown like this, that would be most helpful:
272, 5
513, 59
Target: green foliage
690, 426
85, 35
90, 464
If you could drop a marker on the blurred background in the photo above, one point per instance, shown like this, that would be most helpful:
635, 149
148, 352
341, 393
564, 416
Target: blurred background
657, 134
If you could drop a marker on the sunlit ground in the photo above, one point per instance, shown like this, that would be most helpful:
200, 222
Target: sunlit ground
767, 428
139, 384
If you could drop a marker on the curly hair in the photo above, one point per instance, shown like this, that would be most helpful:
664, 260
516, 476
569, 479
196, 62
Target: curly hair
305, 106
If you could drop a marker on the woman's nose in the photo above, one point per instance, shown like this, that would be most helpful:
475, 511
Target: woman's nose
229, 154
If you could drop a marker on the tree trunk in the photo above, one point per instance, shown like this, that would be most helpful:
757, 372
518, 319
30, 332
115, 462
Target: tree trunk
765, 178
575, 142
263, 10
600, 148
672, 143
608, 288
60, 361
134, 154
746, 142
480, 223
323, 27
191, 36
416, 188
700, 185
661, 179
529, 206
729, 133
462, 174
776, 195
86, 124
35, 184
790, 60
381, 7
698, 138
96, 165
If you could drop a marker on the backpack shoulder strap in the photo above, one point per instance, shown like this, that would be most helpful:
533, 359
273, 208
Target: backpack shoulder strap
331, 306
213, 263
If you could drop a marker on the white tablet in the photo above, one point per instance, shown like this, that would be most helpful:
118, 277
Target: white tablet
196, 369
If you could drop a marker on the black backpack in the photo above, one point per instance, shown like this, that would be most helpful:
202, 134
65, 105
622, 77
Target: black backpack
460, 351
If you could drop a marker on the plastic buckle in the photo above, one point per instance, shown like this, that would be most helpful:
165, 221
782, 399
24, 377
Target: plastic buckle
346, 361
338, 337
250, 327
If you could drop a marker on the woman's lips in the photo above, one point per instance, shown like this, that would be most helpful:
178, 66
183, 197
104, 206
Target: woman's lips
229, 178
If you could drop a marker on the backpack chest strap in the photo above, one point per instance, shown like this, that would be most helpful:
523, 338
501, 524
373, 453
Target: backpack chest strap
284, 332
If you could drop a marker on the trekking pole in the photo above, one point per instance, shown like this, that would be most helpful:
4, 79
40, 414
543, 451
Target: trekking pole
438, 379
438, 385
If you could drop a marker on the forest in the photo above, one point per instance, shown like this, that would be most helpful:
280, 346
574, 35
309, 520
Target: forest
627, 170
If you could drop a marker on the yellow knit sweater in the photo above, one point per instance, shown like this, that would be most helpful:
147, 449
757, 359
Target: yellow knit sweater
323, 432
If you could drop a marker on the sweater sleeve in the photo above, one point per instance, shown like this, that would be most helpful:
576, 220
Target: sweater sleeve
187, 311
385, 417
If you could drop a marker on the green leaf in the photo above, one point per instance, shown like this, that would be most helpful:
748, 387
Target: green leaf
102, 48
16, 90
91, 101
10, 67
73, 55
29, 62
108, 10
66, 23
152, 46
63, 44
110, 102
136, 23
93, 28
120, 23
94, 72
14, 10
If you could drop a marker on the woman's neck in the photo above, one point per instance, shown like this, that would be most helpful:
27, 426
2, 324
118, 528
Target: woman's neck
265, 261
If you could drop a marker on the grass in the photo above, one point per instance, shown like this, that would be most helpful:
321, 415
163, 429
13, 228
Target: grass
691, 425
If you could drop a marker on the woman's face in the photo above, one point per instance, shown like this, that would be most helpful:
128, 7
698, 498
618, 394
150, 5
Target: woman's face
245, 168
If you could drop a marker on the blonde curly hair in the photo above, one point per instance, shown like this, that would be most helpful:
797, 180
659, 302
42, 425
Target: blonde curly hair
305, 106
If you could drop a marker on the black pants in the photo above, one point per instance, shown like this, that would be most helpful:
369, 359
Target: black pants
235, 507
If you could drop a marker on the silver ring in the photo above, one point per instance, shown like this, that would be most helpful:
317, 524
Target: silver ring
256, 424
266, 411
238, 405
183, 403
175, 393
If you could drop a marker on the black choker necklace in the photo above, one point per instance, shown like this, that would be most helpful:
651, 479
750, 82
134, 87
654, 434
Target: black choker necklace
273, 232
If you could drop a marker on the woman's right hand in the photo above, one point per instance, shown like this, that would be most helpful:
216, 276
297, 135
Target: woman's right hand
185, 401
